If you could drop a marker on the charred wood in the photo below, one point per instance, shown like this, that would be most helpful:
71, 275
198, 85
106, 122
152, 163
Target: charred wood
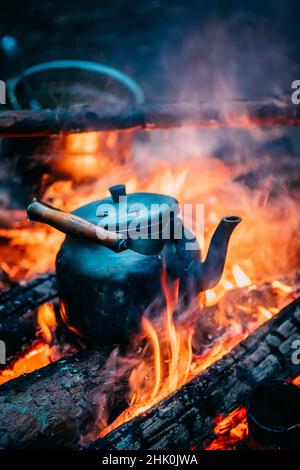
149, 116
185, 418
53, 406
18, 311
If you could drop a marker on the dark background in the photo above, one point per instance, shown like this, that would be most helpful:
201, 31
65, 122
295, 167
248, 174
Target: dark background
172, 48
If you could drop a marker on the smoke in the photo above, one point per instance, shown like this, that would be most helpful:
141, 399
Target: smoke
251, 172
244, 57
254, 172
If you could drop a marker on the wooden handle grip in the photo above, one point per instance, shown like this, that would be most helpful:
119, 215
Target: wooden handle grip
76, 226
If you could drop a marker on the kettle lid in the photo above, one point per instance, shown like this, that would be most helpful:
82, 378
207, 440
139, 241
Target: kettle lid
122, 212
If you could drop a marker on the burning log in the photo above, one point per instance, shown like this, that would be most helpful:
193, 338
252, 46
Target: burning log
53, 406
56, 405
149, 116
17, 311
185, 418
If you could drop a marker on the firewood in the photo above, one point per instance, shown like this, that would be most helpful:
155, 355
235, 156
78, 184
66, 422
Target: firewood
53, 406
185, 418
57, 405
17, 311
148, 116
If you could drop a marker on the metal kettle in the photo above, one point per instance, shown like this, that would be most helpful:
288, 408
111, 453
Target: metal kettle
109, 266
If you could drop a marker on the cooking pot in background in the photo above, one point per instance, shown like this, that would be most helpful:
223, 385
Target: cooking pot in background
273, 414
79, 157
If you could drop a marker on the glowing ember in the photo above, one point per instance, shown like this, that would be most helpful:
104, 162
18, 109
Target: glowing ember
230, 430
296, 381
265, 312
233, 428
38, 356
282, 287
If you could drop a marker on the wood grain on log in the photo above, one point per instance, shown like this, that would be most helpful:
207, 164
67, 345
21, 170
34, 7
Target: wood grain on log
53, 406
149, 116
185, 418
17, 311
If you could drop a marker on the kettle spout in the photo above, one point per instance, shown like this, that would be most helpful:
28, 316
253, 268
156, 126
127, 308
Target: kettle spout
211, 269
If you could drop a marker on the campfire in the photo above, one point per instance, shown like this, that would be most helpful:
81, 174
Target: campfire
168, 383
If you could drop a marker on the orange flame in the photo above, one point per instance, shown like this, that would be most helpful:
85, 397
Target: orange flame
172, 362
241, 278
282, 287
47, 321
260, 251
265, 312
296, 381
230, 430
168, 367
152, 336
38, 356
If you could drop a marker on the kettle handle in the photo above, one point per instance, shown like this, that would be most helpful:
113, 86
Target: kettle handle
71, 224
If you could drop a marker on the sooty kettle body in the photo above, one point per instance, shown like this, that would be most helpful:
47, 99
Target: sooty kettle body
109, 266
